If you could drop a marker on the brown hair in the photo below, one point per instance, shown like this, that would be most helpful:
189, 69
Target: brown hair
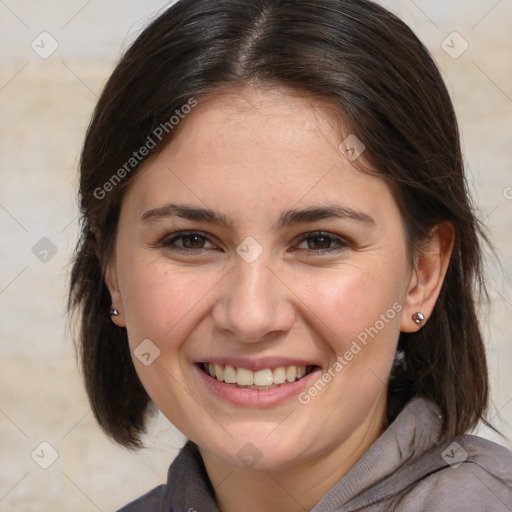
385, 85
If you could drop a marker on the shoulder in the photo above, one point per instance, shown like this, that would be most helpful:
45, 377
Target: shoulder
153, 500
476, 476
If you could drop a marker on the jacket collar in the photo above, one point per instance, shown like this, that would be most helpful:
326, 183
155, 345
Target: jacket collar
413, 432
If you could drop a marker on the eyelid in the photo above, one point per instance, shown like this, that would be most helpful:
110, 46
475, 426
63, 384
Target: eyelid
170, 238
177, 235
343, 242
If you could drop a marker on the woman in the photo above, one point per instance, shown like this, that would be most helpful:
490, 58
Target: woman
279, 252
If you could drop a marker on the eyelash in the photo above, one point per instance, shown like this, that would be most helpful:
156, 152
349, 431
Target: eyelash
167, 242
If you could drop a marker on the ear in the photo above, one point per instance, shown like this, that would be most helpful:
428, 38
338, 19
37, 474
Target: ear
111, 281
428, 275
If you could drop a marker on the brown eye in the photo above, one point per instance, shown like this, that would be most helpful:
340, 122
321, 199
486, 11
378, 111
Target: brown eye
321, 243
192, 241
186, 241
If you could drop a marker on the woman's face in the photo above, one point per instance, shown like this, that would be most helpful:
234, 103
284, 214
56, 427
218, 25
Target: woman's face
277, 258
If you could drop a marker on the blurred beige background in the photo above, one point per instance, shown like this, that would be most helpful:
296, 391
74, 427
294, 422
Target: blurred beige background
45, 103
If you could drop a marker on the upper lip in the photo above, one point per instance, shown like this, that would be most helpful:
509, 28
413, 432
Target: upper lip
257, 364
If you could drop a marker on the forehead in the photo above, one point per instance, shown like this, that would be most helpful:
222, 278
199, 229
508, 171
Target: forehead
261, 151
264, 121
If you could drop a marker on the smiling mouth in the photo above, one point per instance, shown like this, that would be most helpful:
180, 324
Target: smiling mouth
262, 380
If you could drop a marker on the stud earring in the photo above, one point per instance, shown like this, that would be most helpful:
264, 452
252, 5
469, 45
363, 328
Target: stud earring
418, 317
114, 312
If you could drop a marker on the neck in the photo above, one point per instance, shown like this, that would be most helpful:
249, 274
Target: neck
302, 484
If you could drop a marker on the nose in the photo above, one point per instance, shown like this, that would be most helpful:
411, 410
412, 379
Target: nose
255, 304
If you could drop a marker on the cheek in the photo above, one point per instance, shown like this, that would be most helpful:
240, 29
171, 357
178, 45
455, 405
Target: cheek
157, 302
359, 311
352, 300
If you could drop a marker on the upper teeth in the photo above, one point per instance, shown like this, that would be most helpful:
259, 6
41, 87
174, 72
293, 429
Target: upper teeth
262, 378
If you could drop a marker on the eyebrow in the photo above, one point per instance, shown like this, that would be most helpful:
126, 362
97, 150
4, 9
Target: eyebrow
286, 219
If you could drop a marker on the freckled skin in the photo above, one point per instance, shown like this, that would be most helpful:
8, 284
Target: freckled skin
250, 155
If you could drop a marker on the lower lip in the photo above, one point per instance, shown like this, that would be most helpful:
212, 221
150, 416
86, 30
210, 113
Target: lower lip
256, 397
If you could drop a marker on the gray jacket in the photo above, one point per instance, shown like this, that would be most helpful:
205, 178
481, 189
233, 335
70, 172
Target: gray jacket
405, 470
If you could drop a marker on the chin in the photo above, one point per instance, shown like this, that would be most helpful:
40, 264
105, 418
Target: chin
260, 451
